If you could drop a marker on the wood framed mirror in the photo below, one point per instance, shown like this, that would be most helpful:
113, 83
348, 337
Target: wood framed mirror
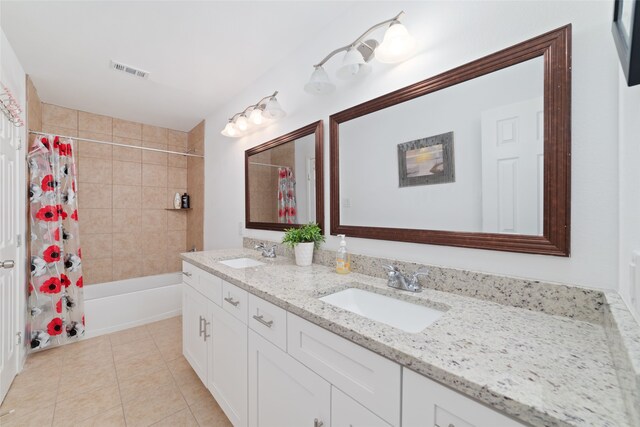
476, 157
284, 181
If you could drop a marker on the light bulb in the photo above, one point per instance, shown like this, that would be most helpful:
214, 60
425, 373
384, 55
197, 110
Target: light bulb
256, 116
230, 130
353, 65
273, 110
397, 45
241, 123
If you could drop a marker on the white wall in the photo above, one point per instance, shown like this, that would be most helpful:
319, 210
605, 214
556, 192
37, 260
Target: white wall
451, 34
305, 149
629, 190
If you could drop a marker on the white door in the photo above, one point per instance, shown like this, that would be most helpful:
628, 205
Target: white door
228, 364
194, 319
9, 291
284, 392
512, 168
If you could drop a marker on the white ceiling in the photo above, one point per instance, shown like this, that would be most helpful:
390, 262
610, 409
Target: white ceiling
198, 54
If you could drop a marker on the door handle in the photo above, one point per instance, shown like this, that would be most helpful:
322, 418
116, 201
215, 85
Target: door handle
8, 263
200, 326
186, 273
231, 301
206, 335
260, 318
317, 423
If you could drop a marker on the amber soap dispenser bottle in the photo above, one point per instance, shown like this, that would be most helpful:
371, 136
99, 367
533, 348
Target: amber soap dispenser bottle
343, 259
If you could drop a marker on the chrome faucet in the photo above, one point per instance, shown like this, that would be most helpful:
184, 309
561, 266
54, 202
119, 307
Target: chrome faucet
398, 280
267, 252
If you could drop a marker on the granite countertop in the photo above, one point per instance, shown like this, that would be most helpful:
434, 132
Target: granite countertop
542, 369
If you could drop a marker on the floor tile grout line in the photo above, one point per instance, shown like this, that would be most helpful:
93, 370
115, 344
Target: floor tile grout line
124, 416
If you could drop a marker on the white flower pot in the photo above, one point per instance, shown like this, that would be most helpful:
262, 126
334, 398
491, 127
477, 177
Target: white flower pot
304, 254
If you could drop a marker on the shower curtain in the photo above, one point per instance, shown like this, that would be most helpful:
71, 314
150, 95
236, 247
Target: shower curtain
286, 196
55, 300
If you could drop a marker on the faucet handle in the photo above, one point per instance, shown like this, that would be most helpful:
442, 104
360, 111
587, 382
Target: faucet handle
422, 271
260, 245
392, 269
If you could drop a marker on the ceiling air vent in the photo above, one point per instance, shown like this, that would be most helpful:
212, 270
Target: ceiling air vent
118, 66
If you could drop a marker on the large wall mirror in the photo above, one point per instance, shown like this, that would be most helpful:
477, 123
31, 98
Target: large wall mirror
283, 181
478, 156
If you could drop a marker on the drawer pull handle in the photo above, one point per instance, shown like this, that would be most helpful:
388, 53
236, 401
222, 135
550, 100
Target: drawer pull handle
317, 423
206, 335
260, 318
232, 301
200, 327
186, 273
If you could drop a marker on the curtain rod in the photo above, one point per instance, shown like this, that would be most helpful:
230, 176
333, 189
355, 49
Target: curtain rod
118, 145
270, 165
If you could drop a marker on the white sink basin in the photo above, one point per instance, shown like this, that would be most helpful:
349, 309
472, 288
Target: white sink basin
241, 263
400, 314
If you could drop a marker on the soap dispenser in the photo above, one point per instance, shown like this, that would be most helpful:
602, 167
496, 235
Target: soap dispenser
343, 258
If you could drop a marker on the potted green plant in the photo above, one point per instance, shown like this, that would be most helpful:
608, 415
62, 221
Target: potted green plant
304, 240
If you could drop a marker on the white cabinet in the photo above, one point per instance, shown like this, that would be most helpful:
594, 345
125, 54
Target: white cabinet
425, 403
346, 412
282, 391
228, 364
367, 377
195, 328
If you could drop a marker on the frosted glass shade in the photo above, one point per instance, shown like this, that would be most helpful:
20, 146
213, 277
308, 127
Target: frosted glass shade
256, 116
230, 130
319, 83
397, 45
353, 65
273, 110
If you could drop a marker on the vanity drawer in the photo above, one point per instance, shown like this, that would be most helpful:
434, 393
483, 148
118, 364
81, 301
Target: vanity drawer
235, 301
189, 273
268, 320
210, 286
367, 377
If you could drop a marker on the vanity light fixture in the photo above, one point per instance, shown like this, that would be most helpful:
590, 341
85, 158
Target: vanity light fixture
264, 111
397, 45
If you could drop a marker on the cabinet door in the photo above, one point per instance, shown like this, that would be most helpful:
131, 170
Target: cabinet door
228, 364
194, 317
426, 400
284, 392
346, 412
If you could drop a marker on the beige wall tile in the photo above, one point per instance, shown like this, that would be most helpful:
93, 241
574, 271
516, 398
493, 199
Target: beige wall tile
127, 268
154, 135
95, 196
195, 139
154, 198
177, 241
97, 246
175, 160
127, 220
154, 264
127, 173
174, 262
154, 221
94, 149
177, 139
127, 196
97, 270
34, 107
154, 243
154, 175
59, 116
176, 221
127, 245
154, 157
127, 129
177, 178
94, 170
127, 154
95, 221
59, 130
95, 123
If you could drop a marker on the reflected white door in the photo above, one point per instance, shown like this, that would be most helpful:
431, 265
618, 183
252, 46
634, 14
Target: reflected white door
9, 292
311, 189
513, 168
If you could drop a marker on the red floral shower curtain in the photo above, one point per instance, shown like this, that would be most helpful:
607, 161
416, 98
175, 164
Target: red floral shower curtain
286, 196
56, 305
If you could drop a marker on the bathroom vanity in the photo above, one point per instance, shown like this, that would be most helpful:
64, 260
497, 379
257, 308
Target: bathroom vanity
274, 353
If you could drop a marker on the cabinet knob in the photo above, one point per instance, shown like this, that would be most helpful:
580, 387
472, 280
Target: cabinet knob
317, 423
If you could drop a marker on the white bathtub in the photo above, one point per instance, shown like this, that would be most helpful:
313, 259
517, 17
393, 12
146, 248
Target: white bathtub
114, 306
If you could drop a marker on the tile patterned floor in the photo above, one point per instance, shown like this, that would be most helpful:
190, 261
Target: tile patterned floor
136, 377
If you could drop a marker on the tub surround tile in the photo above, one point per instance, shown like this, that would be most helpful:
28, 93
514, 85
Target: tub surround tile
94, 196
155, 222
127, 268
177, 139
154, 135
176, 160
95, 221
154, 198
177, 177
97, 246
127, 245
127, 220
127, 154
95, 150
127, 197
154, 175
127, 173
97, 270
154, 157
59, 116
127, 129
539, 368
95, 123
95, 170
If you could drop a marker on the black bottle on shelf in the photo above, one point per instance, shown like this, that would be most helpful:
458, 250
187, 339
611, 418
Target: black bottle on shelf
186, 202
